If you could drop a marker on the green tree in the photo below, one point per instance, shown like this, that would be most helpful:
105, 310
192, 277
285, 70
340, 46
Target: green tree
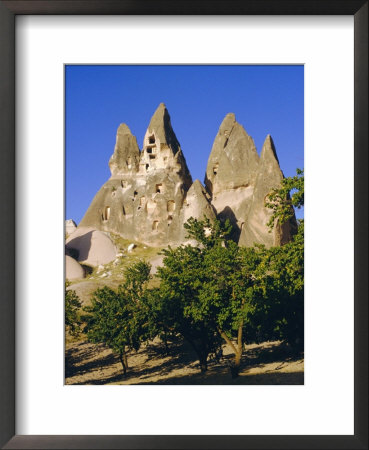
281, 200
72, 307
117, 318
284, 284
180, 306
285, 265
208, 290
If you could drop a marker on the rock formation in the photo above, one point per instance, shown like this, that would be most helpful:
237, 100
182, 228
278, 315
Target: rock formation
70, 226
231, 173
269, 176
144, 198
91, 246
150, 194
239, 181
73, 270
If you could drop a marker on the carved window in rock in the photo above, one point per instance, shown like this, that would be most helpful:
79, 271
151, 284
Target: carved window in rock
155, 225
215, 168
134, 196
124, 184
171, 206
170, 219
129, 162
147, 167
152, 139
152, 156
106, 213
159, 188
123, 210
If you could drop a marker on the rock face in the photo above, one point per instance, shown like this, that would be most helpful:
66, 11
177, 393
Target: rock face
231, 173
150, 194
73, 270
144, 198
91, 246
239, 181
255, 228
70, 226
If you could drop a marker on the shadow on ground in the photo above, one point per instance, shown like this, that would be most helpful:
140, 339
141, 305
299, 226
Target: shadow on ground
95, 365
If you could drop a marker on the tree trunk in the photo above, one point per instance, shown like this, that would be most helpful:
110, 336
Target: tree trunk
237, 350
166, 344
123, 360
201, 354
203, 363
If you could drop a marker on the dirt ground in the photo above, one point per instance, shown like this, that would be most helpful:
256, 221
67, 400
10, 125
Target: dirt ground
266, 363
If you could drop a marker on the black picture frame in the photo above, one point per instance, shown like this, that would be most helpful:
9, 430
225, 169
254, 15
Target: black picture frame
8, 12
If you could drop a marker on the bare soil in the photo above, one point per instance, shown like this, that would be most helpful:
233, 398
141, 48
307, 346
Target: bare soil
263, 364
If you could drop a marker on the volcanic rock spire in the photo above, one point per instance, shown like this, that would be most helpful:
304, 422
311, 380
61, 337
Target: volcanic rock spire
269, 177
160, 130
144, 198
231, 173
233, 160
126, 154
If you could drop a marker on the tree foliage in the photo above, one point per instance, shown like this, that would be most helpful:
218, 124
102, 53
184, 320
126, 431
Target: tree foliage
117, 318
286, 263
281, 200
208, 291
72, 307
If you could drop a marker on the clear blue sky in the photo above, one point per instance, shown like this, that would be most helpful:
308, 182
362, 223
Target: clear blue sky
265, 100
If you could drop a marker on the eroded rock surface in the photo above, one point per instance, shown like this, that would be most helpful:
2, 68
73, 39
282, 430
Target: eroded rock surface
255, 228
73, 270
70, 226
91, 246
143, 199
150, 194
239, 181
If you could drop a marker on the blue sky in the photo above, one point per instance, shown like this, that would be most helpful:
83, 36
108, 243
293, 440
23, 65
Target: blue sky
265, 100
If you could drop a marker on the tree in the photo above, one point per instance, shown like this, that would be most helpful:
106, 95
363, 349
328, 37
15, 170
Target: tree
180, 305
285, 285
285, 265
280, 200
231, 289
116, 318
72, 306
208, 290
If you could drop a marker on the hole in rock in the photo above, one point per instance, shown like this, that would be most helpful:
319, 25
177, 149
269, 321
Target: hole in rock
106, 213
